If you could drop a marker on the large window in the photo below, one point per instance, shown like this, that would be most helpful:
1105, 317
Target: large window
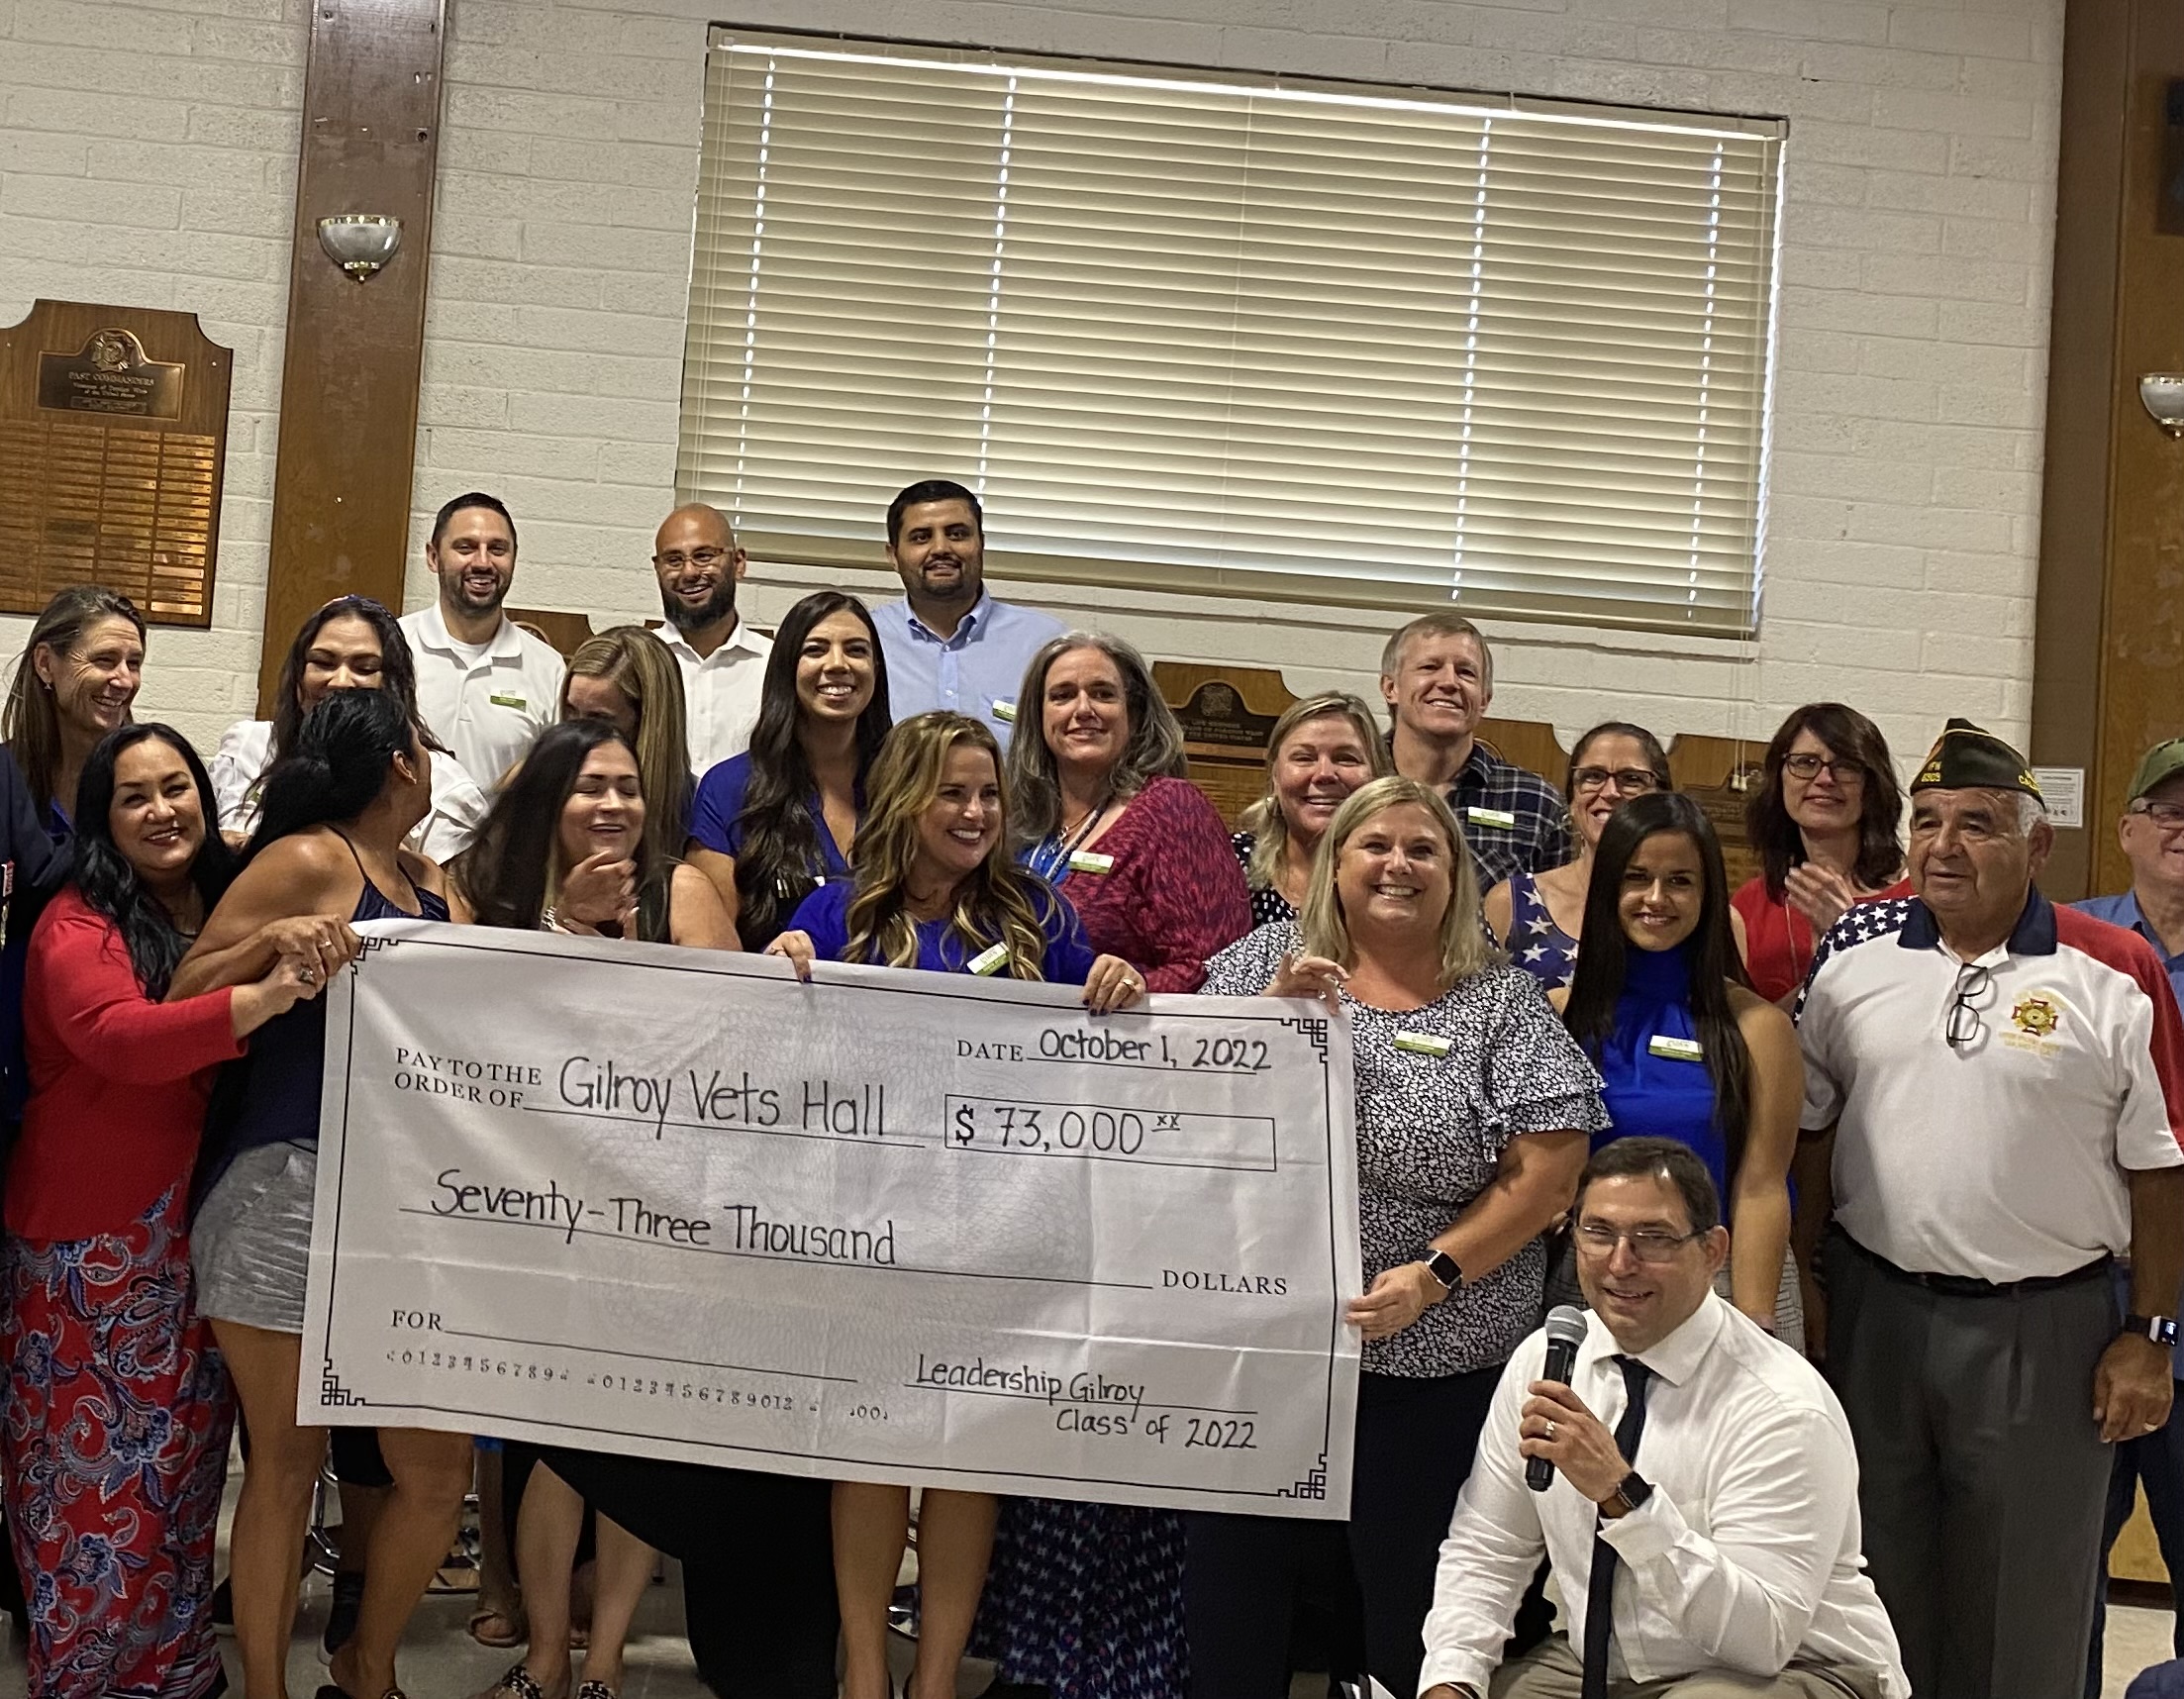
1239, 335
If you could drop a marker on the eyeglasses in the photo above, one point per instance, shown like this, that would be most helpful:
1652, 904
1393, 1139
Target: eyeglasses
1964, 1028
1807, 766
1597, 1239
2168, 816
675, 559
1629, 780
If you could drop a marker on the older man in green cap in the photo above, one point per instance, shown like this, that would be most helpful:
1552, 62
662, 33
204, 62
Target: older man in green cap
2152, 834
2003, 1082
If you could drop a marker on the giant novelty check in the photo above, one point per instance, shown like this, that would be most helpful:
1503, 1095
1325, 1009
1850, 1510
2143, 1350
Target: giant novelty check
888, 1226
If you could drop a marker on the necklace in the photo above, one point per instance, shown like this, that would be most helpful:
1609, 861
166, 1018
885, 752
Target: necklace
1085, 828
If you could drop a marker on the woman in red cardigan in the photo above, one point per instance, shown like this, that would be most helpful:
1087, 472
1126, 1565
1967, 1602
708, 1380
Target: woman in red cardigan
114, 1429
1086, 1600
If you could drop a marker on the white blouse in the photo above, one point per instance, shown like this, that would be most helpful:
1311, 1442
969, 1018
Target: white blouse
246, 750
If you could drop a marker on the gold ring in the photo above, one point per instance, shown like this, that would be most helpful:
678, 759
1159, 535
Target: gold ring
1549, 1433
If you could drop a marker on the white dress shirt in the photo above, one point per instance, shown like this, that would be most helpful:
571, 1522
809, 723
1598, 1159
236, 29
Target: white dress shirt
720, 691
1745, 1557
484, 705
247, 750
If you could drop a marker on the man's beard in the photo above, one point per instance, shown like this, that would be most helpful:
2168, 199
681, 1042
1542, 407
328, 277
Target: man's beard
688, 618
492, 603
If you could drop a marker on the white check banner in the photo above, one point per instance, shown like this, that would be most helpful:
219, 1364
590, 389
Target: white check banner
888, 1226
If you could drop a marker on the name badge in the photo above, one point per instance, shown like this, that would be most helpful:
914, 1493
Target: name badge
1421, 1043
989, 960
1491, 817
1677, 1050
1005, 712
515, 702
1090, 862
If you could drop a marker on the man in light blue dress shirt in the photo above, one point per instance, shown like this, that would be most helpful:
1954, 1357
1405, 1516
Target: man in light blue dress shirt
950, 645
2152, 833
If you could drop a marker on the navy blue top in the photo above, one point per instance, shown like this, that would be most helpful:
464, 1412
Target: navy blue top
716, 816
1652, 1095
284, 1072
825, 916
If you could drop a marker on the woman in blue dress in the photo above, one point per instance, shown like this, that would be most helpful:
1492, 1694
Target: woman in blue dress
780, 819
934, 888
1661, 1004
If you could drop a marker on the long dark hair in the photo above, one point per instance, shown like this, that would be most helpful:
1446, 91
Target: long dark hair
1709, 954
780, 846
32, 723
513, 866
337, 765
1848, 734
109, 883
397, 666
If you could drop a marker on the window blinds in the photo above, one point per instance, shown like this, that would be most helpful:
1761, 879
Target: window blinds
1207, 332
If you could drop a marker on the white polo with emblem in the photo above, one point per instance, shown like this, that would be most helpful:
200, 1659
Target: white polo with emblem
484, 702
2004, 1156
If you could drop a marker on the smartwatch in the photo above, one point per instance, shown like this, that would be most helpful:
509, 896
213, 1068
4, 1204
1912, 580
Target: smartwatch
1442, 1267
1634, 1491
2159, 1329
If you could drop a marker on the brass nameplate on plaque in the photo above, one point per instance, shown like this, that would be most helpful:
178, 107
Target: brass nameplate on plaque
110, 374
113, 439
1215, 714
1227, 715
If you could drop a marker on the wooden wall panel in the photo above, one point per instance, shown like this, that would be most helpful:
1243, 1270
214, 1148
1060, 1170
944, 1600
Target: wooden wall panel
2109, 652
354, 350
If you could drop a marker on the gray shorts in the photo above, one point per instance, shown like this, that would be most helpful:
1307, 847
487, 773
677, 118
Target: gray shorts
250, 1245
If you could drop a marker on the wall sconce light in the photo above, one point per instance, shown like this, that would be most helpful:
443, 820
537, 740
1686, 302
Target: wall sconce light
362, 242
2162, 392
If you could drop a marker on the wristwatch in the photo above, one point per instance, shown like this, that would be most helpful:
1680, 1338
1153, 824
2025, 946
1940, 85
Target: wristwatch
2159, 1329
1442, 1267
1634, 1491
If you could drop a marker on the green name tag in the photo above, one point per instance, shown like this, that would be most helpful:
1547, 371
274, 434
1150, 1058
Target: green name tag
1677, 1050
1089, 861
989, 960
1491, 817
1005, 712
508, 702
1421, 1043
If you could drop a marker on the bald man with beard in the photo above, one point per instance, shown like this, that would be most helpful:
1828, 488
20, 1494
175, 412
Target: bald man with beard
722, 660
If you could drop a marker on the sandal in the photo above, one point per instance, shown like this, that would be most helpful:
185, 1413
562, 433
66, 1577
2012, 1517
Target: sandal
518, 1683
596, 1691
513, 1633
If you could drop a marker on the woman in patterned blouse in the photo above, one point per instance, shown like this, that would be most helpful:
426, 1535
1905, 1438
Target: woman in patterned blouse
1474, 1108
1323, 749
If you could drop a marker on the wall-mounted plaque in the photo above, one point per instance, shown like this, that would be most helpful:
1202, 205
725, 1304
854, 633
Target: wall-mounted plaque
113, 434
1227, 715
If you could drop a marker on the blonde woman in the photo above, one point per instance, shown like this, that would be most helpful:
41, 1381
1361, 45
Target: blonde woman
1323, 749
1473, 1111
629, 678
933, 886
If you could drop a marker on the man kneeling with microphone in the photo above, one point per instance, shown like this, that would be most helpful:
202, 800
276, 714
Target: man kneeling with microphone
1702, 1513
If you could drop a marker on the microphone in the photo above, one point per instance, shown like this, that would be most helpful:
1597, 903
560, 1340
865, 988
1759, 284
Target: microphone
1566, 1329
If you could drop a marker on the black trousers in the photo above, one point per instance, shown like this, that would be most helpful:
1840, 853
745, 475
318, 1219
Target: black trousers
758, 1564
1415, 1438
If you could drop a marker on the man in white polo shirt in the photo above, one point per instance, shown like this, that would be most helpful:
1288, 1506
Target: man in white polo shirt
722, 660
2004, 1084
484, 685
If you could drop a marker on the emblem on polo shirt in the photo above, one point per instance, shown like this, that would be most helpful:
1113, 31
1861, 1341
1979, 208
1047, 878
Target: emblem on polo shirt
2037, 1018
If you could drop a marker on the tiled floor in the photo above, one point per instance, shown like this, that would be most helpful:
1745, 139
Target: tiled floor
439, 1660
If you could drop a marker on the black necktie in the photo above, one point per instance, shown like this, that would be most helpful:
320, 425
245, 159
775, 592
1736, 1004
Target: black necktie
1600, 1591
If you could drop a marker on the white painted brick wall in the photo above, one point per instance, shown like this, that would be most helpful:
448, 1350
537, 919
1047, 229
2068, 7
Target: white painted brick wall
1914, 313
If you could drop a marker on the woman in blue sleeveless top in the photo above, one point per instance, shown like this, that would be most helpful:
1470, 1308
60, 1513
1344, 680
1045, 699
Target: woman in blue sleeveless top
1536, 917
328, 854
1688, 1050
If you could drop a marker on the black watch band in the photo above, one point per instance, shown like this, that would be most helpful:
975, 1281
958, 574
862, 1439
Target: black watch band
1442, 1267
2159, 1329
1634, 1491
